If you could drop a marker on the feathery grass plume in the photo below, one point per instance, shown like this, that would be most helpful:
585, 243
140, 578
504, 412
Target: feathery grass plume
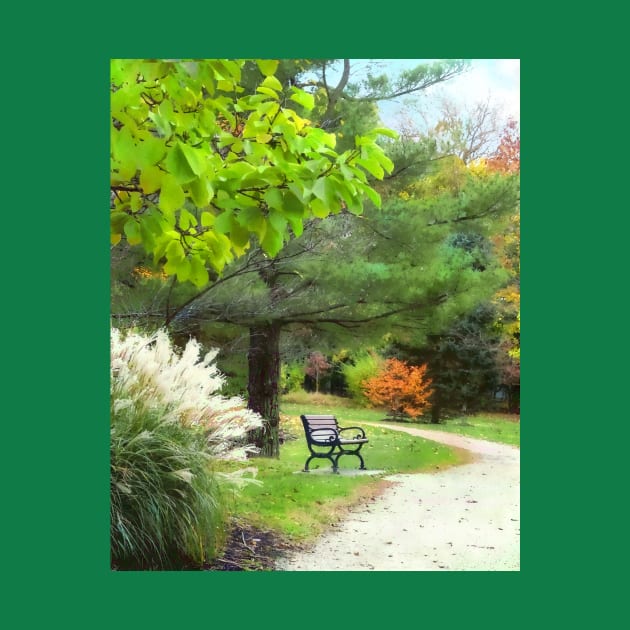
148, 374
168, 425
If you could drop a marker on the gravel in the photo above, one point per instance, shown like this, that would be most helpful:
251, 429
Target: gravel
464, 518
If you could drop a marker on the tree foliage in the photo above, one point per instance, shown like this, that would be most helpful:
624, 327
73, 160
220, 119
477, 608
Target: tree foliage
364, 365
463, 362
316, 367
410, 269
404, 389
507, 156
199, 166
507, 159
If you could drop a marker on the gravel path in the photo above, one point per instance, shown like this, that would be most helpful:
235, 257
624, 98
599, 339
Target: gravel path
465, 518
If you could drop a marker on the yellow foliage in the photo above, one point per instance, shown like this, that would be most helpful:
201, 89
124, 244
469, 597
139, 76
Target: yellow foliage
145, 272
479, 168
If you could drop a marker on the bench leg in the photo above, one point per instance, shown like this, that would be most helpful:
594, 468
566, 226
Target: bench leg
330, 457
336, 464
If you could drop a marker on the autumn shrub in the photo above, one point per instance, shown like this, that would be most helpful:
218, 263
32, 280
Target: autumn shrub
403, 389
167, 428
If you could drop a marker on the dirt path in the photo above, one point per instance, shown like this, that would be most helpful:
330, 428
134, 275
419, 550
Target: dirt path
465, 518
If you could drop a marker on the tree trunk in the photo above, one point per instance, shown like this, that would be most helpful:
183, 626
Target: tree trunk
436, 407
264, 376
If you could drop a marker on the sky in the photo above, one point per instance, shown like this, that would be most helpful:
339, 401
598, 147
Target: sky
496, 79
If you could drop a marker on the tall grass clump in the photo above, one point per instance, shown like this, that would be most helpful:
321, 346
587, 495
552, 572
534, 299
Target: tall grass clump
168, 426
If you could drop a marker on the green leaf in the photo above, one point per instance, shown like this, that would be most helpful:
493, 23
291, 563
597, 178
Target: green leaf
385, 162
135, 201
225, 86
319, 209
267, 67
252, 220
374, 197
207, 219
151, 179
272, 82
384, 131
201, 192
183, 270
238, 234
124, 148
304, 99
278, 221
117, 220
198, 272
177, 164
323, 190
195, 158
296, 225
223, 222
237, 170
320, 136
273, 198
272, 242
186, 219
292, 206
267, 91
175, 251
147, 236
132, 232
371, 166
352, 173
171, 194
150, 151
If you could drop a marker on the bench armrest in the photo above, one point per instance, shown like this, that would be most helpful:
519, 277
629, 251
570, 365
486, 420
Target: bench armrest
358, 435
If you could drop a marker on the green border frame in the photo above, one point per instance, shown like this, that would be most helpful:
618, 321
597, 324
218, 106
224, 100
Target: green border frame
57, 501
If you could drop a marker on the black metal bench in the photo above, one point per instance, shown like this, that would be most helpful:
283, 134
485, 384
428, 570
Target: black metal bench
324, 439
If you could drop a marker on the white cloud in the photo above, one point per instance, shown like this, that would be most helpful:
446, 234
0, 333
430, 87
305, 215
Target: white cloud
495, 79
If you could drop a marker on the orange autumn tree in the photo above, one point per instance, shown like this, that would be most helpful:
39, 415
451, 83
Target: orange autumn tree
404, 389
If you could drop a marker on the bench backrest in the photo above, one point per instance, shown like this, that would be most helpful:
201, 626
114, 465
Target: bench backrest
320, 429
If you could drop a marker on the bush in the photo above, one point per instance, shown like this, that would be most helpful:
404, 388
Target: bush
165, 501
365, 366
292, 377
167, 427
404, 389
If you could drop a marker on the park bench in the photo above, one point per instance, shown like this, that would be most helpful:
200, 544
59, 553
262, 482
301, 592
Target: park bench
324, 439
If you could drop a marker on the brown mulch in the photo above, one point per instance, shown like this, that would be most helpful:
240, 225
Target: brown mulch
246, 549
250, 549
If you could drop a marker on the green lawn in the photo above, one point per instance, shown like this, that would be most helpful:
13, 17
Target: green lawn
496, 427
493, 427
301, 505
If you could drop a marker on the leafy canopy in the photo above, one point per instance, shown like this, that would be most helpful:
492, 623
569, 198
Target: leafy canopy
200, 166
